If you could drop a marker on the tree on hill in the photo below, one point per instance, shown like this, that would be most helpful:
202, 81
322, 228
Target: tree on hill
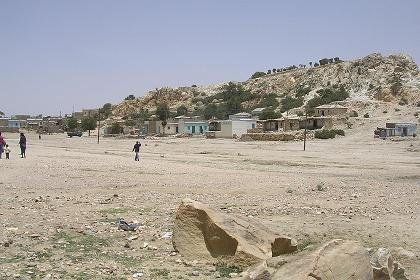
130, 97
88, 123
289, 102
257, 75
71, 123
182, 110
337, 59
270, 100
268, 71
326, 96
1, 113
324, 61
106, 110
310, 63
316, 64
396, 84
163, 113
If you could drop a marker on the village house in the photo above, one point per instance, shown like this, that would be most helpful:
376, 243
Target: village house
396, 129
78, 115
293, 123
232, 128
90, 113
17, 123
330, 110
34, 123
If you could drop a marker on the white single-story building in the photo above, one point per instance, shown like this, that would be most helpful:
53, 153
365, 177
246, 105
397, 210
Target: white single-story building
230, 128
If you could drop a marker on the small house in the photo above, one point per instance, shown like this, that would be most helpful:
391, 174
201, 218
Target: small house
16, 123
196, 127
230, 128
293, 123
330, 110
396, 129
34, 124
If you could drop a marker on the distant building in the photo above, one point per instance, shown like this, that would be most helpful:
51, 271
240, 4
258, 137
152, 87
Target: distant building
78, 115
396, 129
293, 123
330, 110
34, 124
90, 113
232, 128
16, 123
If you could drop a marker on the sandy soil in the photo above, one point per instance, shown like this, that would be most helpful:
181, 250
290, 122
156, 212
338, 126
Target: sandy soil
59, 205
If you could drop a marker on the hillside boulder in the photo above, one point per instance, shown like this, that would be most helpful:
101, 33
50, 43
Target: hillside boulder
203, 233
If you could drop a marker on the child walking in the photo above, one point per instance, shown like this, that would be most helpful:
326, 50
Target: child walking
7, 151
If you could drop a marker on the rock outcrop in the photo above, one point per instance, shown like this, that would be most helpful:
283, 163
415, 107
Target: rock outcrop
203, 233
384, 266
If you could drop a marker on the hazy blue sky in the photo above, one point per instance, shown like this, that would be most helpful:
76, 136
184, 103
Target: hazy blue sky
56, 54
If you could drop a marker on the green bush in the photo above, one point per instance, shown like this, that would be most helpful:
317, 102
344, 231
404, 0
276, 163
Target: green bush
116, 128
288, 103
328, 134
326, 96
324, 134
225, 269
270, 100
302, 91
268, 114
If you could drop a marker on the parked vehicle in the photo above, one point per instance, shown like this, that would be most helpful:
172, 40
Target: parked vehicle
75, 133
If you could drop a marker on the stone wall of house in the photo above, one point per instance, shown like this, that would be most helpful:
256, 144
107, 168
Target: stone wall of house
281, 136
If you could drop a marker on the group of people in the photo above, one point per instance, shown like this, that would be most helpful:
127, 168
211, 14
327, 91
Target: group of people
4, 147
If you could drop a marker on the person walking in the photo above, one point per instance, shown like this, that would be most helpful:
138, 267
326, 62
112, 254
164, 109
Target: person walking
7, 151
22, 144
2, 144
136, 149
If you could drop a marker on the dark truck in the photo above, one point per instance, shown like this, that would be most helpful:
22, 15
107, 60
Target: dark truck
74, 133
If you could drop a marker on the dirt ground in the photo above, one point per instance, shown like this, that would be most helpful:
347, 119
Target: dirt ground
59, 205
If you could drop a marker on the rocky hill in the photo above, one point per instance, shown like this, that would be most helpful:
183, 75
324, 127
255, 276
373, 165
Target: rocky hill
374, 78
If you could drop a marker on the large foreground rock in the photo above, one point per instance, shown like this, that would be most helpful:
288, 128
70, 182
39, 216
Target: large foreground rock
204, 234
337, 259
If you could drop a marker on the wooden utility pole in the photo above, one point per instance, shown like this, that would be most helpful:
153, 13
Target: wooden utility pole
99, 122
304, 134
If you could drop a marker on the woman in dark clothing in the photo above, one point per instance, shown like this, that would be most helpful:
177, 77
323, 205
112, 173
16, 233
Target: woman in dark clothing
22, 144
